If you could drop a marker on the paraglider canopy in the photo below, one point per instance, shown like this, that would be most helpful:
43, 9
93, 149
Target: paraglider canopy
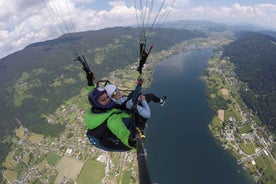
30, 21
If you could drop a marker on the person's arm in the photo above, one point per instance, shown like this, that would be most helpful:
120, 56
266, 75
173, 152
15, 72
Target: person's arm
90, 81
90, 78
143, 110
118, 128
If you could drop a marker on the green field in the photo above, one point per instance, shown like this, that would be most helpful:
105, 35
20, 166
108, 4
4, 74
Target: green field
53, 158
92, 172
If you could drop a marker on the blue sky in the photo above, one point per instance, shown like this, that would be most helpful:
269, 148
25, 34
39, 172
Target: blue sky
227, 3
23, 22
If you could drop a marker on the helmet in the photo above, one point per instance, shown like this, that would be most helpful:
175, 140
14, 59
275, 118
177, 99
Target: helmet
110, 89
93, 96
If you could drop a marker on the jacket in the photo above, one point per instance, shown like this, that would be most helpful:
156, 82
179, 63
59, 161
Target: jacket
109, 129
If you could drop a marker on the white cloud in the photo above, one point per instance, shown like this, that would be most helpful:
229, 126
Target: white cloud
262, 14
118, 15
28, 21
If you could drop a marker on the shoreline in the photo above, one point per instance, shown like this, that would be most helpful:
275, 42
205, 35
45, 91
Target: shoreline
234, 125
129, 81
71, 112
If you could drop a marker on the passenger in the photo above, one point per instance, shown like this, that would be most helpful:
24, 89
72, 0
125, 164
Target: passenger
112, 126
108, 128
125, 102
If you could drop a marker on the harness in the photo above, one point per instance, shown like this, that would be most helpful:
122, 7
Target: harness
140, 121
103, 138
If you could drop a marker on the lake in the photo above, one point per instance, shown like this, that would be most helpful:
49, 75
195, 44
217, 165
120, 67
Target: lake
180, 148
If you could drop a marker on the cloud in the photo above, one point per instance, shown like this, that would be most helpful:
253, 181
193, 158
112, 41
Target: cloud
120, 14
28, 21
262, 14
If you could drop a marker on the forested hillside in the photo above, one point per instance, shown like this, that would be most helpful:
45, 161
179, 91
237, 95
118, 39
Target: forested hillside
38, 79
254, 56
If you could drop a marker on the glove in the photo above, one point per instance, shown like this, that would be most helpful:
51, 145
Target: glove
90, 79
139, 81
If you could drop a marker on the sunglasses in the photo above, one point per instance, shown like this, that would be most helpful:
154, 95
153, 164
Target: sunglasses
115, 92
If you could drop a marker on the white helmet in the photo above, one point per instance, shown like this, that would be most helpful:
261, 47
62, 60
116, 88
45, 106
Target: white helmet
110, 89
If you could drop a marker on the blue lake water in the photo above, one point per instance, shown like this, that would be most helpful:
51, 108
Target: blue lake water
180, 147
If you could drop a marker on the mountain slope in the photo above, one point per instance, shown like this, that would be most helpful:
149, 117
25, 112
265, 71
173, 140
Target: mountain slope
254, 57
36, 80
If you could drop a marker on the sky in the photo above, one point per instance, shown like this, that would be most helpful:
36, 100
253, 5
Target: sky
23, 22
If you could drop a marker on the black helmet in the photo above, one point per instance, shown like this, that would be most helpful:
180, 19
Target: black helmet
93, 99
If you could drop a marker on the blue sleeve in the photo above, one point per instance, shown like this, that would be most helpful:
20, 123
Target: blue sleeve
143, 110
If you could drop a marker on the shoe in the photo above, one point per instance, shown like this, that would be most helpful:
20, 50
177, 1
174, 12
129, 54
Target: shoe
163, 101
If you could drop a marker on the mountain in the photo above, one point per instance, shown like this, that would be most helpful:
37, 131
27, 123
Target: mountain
254, 57
38, 79
212, 26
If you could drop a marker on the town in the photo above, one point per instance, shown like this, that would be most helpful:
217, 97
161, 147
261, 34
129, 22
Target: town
238, 128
